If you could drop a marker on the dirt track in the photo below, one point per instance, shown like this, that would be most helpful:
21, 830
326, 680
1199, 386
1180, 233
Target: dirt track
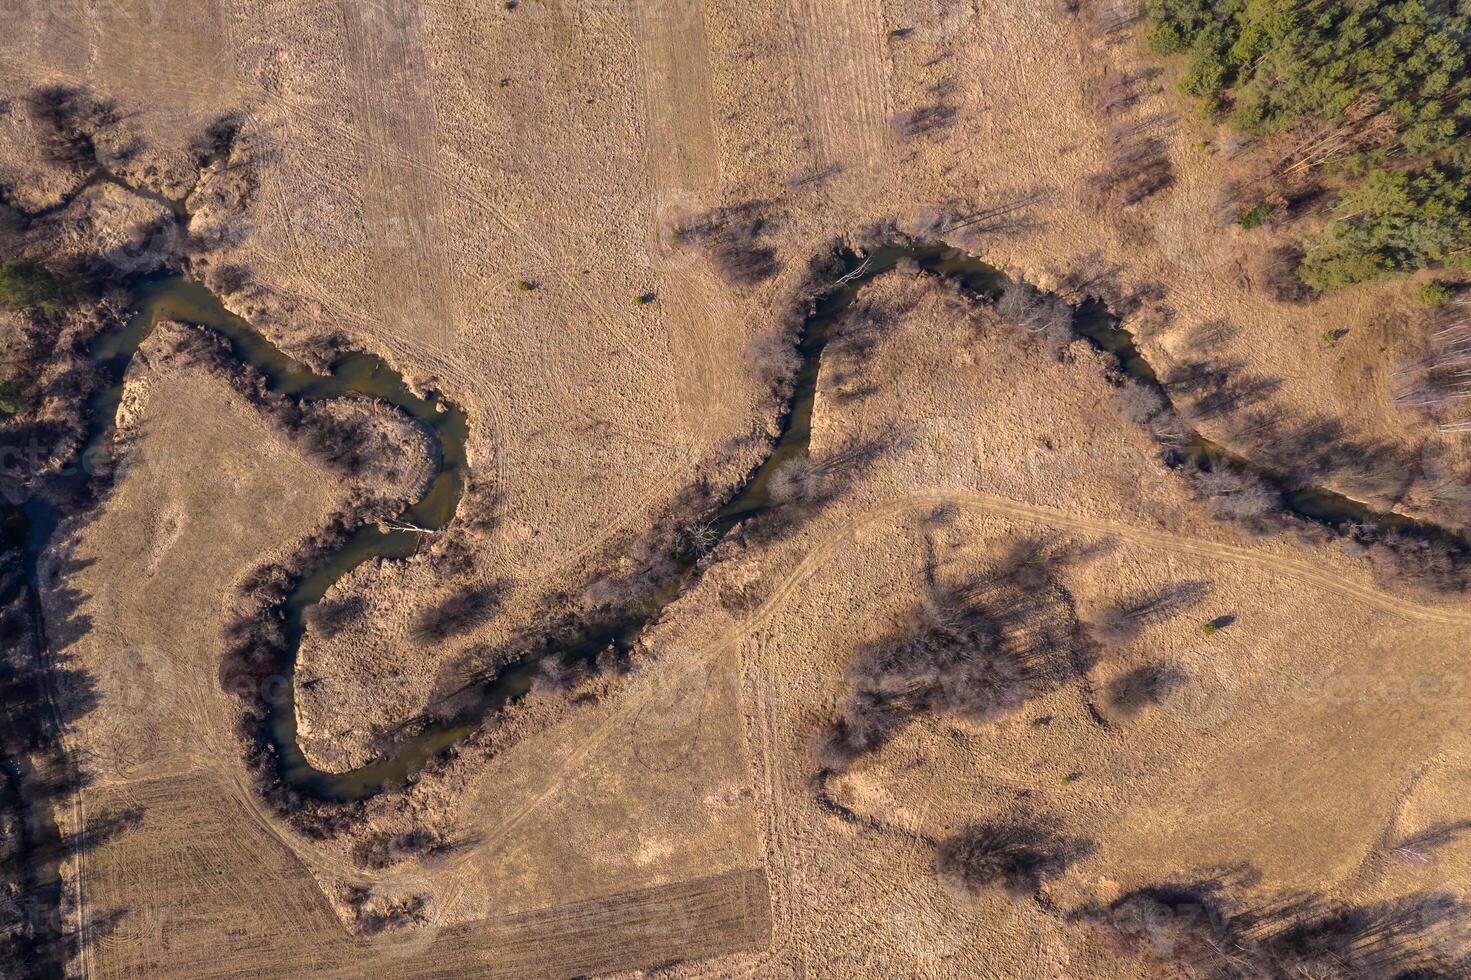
418, 162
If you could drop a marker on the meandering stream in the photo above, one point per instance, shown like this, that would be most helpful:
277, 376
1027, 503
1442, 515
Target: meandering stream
165, 298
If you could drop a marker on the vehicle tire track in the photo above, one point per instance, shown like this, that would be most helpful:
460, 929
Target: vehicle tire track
841, 81
409, 270
848, 532
778, 799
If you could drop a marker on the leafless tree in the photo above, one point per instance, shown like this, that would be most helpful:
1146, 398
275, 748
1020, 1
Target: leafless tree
457, 613
1235, 493
1137, 403
909, 124
733, 238
1134, 690
1189, 930
1274, 272
1115, 92
1046, 317
1014, 856
1113, 626
1138, 164
330, 617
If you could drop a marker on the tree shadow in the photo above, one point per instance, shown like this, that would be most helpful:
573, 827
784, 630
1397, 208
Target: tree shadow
1195, 928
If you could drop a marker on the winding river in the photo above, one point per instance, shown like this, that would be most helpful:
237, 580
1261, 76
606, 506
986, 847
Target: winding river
163, 298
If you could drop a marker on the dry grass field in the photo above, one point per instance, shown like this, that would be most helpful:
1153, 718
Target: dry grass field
489, 197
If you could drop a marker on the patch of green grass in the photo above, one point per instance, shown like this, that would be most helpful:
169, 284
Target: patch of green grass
1434, 294
1250, 218
27, 286
11, 401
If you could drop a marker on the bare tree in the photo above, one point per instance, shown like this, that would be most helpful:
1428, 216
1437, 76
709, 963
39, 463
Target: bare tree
1235, 493
1137, 403
459, 612
1188, 930
1013, 856
1113, 626
911, 123
330, 617
1134, 690
733, 238
1048, 318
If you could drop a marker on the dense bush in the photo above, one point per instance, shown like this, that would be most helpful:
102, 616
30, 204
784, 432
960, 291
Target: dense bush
1434, 295
25, 286
1387, 82
12, 399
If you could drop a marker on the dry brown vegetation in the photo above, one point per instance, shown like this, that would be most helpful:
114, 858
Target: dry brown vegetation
734, 238
1016, 857
654, 805
976, 650
1189, 930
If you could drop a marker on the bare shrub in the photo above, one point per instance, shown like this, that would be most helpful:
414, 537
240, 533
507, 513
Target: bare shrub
1046, 317
381, 849
909, 124
337, 441
1031, 562
1134, 690
944, 664
458, 613
480, 506
732, 238
374, 912
1235, 493
1113, 627
1012, 856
